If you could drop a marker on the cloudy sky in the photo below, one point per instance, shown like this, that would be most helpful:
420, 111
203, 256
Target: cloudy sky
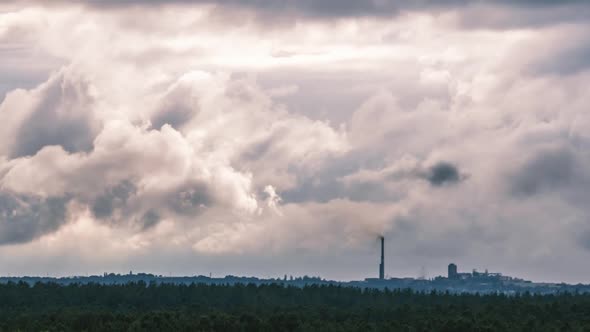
272, 137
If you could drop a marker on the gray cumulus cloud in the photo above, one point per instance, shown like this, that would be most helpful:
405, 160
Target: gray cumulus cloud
123, 203
189, 199
27, 217
62, 116
114, 198
528, 10
546, 170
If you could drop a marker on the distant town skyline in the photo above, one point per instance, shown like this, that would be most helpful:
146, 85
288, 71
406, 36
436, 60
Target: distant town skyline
274, 137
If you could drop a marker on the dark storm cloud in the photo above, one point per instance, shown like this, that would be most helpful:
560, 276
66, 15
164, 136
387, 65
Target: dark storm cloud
340, 7
123, 203
443, 173
189, 199
348, 8
56, 120
150, 219
473, 14
26, 217
547, 170
114, 198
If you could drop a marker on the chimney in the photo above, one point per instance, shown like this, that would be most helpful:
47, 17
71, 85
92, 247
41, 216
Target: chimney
382, 265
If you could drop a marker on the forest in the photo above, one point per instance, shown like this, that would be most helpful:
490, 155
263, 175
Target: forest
199, 307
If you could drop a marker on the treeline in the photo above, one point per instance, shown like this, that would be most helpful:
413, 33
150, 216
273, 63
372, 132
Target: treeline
199, 307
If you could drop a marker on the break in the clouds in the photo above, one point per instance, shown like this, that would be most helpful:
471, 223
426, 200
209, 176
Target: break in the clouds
213, 137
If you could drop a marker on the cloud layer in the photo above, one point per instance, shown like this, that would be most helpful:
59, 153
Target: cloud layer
192, 145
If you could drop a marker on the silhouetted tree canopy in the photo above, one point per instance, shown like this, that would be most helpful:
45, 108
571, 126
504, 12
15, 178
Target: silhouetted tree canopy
244, 308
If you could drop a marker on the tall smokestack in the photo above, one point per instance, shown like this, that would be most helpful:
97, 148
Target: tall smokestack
382, 265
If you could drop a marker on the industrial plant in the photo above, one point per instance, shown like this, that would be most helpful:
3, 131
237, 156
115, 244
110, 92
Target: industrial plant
382, 264
460, 282
452, 272
454, 282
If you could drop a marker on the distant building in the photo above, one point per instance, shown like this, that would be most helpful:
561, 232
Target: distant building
452, 273
486, 276
382, 265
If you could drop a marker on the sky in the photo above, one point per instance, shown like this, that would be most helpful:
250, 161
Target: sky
273, 137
